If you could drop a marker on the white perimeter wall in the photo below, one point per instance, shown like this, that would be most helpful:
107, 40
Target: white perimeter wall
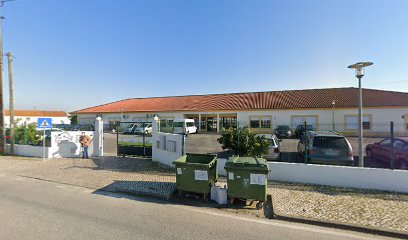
339, 176
63, 145
166, 147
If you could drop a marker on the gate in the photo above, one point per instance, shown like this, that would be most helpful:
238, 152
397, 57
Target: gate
134, 139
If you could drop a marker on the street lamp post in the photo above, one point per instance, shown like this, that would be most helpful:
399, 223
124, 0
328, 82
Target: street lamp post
359, 74
333, 104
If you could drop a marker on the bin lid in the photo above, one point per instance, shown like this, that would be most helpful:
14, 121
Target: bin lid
202, 159
247, 163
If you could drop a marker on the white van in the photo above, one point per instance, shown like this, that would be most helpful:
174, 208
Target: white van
186, 126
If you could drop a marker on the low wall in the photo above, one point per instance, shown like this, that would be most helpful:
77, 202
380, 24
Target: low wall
29, 151
66, 144
340, 176
167, 147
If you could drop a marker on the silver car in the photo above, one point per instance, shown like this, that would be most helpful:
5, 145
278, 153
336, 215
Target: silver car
274, 148
326, 147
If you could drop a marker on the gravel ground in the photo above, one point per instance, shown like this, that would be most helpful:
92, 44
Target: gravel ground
374, 209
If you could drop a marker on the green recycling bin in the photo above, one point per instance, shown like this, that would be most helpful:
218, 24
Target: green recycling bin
247, 178
196, 173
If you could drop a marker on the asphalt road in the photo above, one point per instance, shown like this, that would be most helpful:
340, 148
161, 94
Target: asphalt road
34, 209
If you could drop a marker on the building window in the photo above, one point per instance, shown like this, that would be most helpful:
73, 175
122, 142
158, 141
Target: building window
260, 122
228, 122
300, 120
166, 122
352, 122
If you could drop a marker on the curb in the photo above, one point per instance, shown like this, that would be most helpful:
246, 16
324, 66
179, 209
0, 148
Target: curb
141, 194
344, 226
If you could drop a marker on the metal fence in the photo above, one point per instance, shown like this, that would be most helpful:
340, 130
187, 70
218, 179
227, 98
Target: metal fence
385, 145
134, 139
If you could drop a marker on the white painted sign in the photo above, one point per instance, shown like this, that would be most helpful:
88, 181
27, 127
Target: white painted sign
230, 175
257, 179
200, 175
179, 172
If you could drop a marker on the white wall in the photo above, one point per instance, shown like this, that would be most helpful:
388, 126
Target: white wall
162, 146
339, 176
65, 144
29, 151
380, 117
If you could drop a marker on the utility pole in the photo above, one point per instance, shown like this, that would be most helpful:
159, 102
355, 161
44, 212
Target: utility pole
11, 101
2, 132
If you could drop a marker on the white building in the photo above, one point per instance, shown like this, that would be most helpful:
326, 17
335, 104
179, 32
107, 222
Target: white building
31, 116
262, 111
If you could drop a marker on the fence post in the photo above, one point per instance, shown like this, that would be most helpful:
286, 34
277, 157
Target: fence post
117, 138
305, 142
392, 145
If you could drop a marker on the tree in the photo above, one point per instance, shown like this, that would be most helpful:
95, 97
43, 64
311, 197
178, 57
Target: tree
26, 134
244, 142
73, 119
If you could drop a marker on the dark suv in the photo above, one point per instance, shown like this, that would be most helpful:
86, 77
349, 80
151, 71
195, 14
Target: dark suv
283, 131
325, 147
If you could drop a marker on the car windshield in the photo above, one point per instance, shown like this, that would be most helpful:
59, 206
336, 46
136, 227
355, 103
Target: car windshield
190, 124
129, 126
283, 128
330, 142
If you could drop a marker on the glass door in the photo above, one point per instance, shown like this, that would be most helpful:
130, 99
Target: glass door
211, 124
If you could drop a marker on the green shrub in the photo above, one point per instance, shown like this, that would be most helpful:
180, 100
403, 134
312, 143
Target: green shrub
243, 142
25, 135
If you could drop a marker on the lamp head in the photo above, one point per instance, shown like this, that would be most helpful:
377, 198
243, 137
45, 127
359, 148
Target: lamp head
360, 68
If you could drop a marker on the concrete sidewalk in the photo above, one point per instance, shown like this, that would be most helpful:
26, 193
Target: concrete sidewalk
136, 176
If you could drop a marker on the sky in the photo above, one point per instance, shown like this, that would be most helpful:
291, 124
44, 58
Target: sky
73, 54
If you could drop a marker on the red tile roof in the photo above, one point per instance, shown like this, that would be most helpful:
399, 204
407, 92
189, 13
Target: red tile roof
293, 99
36, 113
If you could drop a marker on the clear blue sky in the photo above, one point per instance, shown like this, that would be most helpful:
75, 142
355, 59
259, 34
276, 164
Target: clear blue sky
72, 54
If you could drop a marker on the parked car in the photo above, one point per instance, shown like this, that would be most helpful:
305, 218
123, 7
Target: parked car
274, 148
283, 131
300, 130
326, 148
382, 151
82, 127
138, 128
66, 127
